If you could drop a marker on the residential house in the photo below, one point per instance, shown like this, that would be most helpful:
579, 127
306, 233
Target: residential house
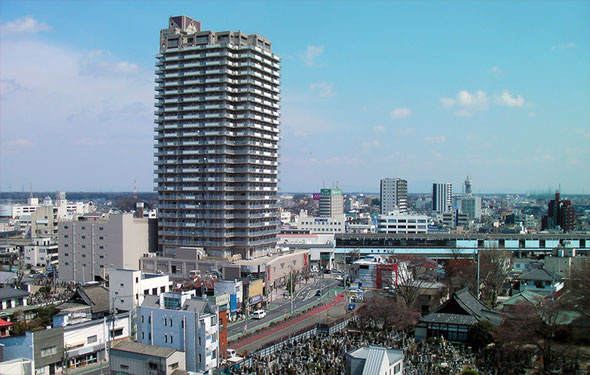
374, 360
129, 358
541, 281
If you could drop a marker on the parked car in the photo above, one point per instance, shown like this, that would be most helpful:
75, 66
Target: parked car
258, 314
351, 306
318, 293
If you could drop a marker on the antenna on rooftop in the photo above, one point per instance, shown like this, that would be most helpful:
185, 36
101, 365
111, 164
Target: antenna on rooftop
135, 189
31, 190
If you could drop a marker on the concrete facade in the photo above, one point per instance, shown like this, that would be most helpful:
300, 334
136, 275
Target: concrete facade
42, 253
395, 222
442, 197
127, 288
91, 245
393, 195
183, 322
217, 132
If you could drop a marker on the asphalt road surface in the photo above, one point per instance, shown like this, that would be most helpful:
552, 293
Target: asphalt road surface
304, 296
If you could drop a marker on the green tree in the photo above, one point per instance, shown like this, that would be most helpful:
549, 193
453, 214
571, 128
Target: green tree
481, 334
469, 372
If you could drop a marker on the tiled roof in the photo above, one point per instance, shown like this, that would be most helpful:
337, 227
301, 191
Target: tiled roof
474, 311
540, 274
6, 293
151, 350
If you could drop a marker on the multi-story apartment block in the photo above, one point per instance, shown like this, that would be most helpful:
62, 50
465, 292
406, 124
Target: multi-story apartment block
331, 203
42, 253
471, 205
217, 132
181, 321
127, 288
393, 195
442, 197
92, 244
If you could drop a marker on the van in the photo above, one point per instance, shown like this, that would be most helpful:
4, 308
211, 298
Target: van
258, 314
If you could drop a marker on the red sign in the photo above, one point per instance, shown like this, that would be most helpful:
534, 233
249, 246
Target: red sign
305, 259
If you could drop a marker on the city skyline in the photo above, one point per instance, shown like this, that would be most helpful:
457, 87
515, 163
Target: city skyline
424, 92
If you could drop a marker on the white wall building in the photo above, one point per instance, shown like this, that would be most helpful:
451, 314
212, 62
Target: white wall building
182, 322
393, 195
42, 253
321, 224
402, 223
92, 244
442, 195
331, 203
127, 288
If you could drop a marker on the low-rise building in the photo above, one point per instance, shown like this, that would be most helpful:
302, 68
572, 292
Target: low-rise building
44, 348
540, 281
394, 222
129, 358
323, 224
183, 322
42, 253
127, 288
374, 360
12, 298
453, 318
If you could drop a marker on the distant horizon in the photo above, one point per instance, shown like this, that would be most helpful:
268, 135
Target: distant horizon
51, 193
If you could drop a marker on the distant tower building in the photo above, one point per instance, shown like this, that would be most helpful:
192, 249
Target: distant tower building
442, 195
331, 203
468, 185
217, 132
560, 213
393, 195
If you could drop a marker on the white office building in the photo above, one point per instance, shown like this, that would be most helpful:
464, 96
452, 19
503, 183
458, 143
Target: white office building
183, 322
94, 243
321, 224
397, 222
331, 203
442, 197
127, 288
393, 195
217, 133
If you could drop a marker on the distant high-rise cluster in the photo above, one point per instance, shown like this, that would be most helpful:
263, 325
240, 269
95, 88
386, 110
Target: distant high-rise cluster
217, 133
560, 214
442, 197
393, 195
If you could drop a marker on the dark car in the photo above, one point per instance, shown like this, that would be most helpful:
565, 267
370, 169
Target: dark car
318, 292
351, 306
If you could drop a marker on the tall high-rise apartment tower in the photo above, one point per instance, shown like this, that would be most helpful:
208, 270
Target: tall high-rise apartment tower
394, 195
217, 133
442, 197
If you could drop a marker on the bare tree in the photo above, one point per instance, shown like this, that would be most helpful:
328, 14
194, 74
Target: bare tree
539, 326
494, 266
412, 277
388, 313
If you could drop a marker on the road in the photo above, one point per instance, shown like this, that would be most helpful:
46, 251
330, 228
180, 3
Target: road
304, 297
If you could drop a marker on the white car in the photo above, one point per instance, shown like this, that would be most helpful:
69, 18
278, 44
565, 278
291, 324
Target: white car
258, 314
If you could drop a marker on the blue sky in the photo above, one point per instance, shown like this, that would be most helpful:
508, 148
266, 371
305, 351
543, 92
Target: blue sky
426, 91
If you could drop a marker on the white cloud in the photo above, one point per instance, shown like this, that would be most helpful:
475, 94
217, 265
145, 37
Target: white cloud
311, 53
25, 25
400, 113
437, 155
467, 102
507, 99
435, 139
371, 144
564, 46
325, 89
495, 70
379, 128
300, 133
76, 107
20, 142
406, 131
98, 63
